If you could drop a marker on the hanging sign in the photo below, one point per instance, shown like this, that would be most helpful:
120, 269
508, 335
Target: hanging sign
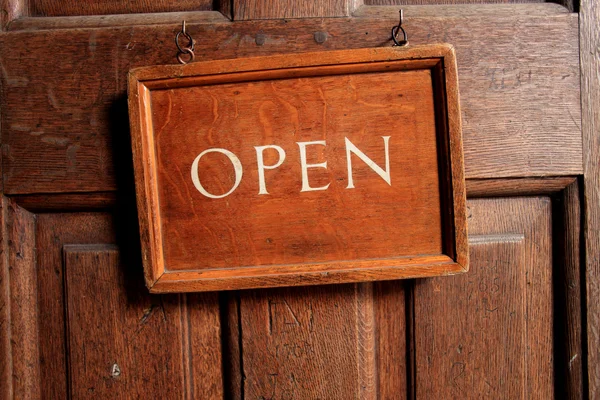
314, 168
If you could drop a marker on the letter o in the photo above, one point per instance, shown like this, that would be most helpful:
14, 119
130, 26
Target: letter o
237, 165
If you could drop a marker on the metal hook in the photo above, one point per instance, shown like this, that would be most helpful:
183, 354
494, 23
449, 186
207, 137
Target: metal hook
189, 49
397, 29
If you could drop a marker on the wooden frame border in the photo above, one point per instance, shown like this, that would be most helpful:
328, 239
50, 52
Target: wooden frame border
439, 58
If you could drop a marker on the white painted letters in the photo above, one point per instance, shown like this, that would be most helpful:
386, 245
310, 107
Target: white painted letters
261, 165
237, 165
305, 185
351, 148
260, 162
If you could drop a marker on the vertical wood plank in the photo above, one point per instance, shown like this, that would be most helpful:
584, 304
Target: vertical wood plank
206, 379
121, 339
567, 293
6, 361
344, 341
300, 343
589, 28
23, 304
490, 331
391, 337
52, 232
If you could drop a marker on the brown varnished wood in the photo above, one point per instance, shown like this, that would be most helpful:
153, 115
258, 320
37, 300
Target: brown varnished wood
198, 328
568, 4
24, 315
567, 292
476, 188
53, 8
94, 21
6, 357
590, 119
437, 2
52, 232
11, 10
491, 96
490, 332
72, 202
345, 341
274, 9
111, 21
204, 376
118, 339
460, 10
390, 327
498, 28
237, 246
517, 187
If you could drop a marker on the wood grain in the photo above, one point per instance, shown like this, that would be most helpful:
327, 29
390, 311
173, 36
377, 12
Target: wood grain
199, 336
6, 360
52, 232
118, 339
275, 9
11, 10
204, 338
390, 326
518, 186
324, 342
24, 314
590, 119
490, 331
53, 8
505, 122
437, 2
567, 4
111, 21
319, 234
318, 227
567, 292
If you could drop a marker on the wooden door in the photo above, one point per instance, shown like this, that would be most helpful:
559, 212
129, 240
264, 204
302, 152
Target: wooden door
77, 322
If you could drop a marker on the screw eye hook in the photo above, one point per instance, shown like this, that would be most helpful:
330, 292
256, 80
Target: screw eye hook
187, 49
396, 32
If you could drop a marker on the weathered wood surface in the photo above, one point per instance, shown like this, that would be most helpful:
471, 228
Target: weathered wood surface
93, 268
51, 8
590, 99
517, 186
24, 313
111, 349
111, 21
437, 2
461, 10
274, 9
6, 360
346, 341
66, 137
567, 4
567, 292
489, 332
52, 232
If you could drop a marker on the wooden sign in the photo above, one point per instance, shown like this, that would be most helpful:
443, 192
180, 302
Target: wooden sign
299, 169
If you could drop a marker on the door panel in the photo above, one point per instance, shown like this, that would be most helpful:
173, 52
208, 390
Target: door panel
343, 341
490, 331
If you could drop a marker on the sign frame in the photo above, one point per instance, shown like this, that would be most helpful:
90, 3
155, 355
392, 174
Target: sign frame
439, 58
